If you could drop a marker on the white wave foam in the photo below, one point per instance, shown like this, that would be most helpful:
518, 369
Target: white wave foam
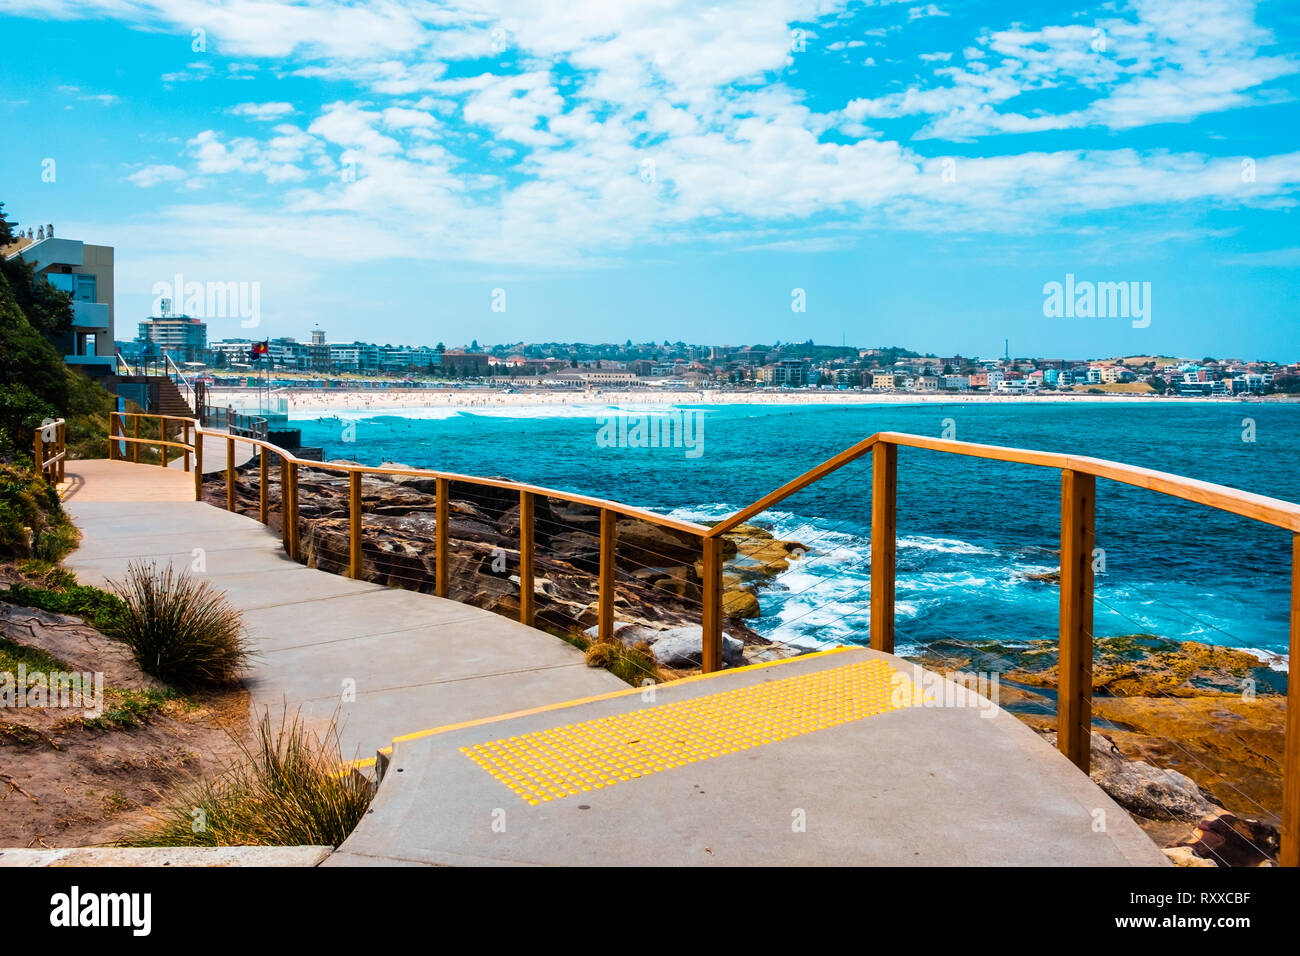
941, 545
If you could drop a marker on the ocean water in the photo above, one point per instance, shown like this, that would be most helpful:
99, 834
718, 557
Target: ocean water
970, 531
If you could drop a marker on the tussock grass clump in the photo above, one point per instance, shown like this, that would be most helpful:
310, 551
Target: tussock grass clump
288, 788
635, 664
179, 629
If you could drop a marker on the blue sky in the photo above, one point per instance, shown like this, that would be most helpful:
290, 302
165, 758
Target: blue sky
663, 169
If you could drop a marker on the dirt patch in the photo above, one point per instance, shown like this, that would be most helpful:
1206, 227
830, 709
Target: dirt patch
71, 780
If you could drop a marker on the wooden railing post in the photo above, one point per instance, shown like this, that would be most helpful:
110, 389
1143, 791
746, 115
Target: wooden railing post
263, 477
527, 596
711, 616
284, 503
112, 436
608, 546
1074, 697
440, 547
38, 452
230, 474
185, 439
135, 433
1290, 851
884, 543
292, 511
198, 465
354, 523
63, 448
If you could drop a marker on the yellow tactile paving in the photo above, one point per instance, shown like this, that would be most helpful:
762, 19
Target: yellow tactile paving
577, 758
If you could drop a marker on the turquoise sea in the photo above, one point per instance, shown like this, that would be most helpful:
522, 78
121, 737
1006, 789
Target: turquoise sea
970, 531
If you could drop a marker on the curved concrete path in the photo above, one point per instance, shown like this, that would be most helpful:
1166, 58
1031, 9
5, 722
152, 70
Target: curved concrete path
805, 761
214, 455
386, 661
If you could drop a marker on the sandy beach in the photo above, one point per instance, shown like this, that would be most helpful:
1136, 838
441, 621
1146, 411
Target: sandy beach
310, 403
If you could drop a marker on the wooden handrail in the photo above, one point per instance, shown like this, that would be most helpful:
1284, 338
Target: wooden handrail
627, 511
794, 485
1274, 511
170, 418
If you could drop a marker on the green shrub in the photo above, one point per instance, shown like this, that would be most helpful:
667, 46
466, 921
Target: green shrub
32, 522
179, 629
288, 788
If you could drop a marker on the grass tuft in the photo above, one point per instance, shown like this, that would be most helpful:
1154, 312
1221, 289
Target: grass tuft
289, 788
179, 629
124, 709
635, 665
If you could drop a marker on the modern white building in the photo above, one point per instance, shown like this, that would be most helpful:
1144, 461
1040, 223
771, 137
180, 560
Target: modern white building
85, 272
1019, 386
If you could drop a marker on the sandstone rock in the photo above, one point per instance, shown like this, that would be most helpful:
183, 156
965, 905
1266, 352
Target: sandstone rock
1045, 577
740, 604
1184, 856
680, 647
1139, 787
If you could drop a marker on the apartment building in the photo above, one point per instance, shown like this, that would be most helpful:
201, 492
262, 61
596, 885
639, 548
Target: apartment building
789, 372
354, 356
406, 357
85, 272
180, 337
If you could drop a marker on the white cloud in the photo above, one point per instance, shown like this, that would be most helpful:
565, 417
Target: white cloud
263, 112
153, 175
1172, 61
930, 10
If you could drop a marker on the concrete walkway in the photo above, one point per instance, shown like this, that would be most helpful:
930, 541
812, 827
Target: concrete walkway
386, 661
534, 758
214, 455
